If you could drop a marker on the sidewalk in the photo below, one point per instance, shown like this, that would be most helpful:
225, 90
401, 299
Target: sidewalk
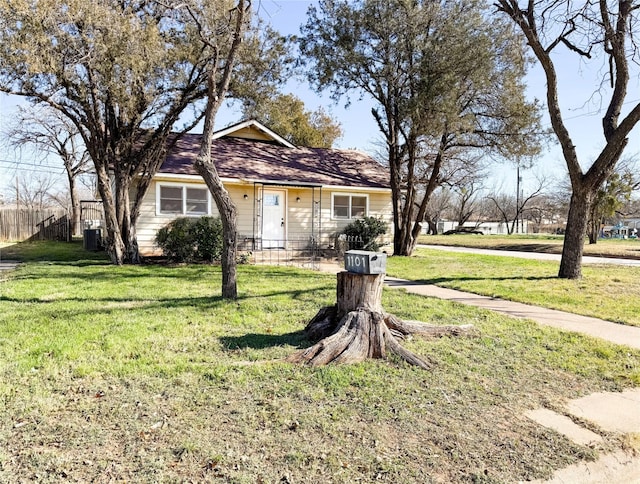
587, 259
613, 332
8, 265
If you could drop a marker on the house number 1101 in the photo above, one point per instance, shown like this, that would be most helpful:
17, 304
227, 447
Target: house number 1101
355, 261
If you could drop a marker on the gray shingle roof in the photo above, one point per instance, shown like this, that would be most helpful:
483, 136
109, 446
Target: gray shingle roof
251, 160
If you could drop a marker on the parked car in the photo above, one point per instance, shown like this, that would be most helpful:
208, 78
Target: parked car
463, 230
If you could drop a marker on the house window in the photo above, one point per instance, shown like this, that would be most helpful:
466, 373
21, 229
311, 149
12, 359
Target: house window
197, 201
349, 206
271, 200
171, 200
183, 200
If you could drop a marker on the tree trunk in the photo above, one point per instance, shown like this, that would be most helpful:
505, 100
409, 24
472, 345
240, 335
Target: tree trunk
226, 208
131, 242
75, 206
216, 92
228, 216
357, 327
127, 227
405, 238
400, 241
593, 224
229, 258
572, 250
433, 227
113, 241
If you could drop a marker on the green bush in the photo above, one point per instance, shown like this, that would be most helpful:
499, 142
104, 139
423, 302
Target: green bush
368, 229
175, 239
187, 239
207, 233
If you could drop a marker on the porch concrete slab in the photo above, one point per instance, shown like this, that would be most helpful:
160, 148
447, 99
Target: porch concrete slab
616, 468
563, 425
614, 412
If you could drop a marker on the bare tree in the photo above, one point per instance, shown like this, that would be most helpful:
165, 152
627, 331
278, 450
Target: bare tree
439, 204
466, 203
219, 34
549, 210
589, 29
51, 133
34, 192
512, 208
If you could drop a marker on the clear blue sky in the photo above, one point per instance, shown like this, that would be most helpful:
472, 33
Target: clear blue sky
580, 100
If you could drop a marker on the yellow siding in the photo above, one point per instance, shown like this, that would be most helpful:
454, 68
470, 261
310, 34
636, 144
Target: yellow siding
379, 206
251, 133
299, 213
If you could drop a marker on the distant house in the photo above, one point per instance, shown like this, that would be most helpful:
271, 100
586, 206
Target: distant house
283, 193
624, 229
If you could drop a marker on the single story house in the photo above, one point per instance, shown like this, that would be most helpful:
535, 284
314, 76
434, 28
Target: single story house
624, 229
283, 193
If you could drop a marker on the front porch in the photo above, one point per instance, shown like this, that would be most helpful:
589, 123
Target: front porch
306, 253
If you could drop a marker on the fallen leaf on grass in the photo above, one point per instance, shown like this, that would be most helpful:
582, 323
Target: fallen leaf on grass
157, 425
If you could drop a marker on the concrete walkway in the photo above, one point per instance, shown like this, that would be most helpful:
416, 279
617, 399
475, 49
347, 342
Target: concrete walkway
613, 332
610, 412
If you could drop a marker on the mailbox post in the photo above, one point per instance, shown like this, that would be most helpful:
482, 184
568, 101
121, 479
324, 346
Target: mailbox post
357, 327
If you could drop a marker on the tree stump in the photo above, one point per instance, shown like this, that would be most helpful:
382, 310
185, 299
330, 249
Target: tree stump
357, 327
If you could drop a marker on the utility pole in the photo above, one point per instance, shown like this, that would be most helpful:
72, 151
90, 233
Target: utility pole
518, 195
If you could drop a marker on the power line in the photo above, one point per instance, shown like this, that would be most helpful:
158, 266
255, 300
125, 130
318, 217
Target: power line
17, 170
35, 170
24, 163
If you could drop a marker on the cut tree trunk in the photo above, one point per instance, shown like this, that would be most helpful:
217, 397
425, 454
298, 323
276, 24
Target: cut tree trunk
357, 327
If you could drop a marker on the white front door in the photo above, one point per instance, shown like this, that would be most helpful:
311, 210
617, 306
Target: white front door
273, 221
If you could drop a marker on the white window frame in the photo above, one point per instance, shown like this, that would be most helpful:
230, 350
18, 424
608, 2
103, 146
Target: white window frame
350, 195
183, 187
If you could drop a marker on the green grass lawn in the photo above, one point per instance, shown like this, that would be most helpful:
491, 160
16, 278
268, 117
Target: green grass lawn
143, 374
605, 291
